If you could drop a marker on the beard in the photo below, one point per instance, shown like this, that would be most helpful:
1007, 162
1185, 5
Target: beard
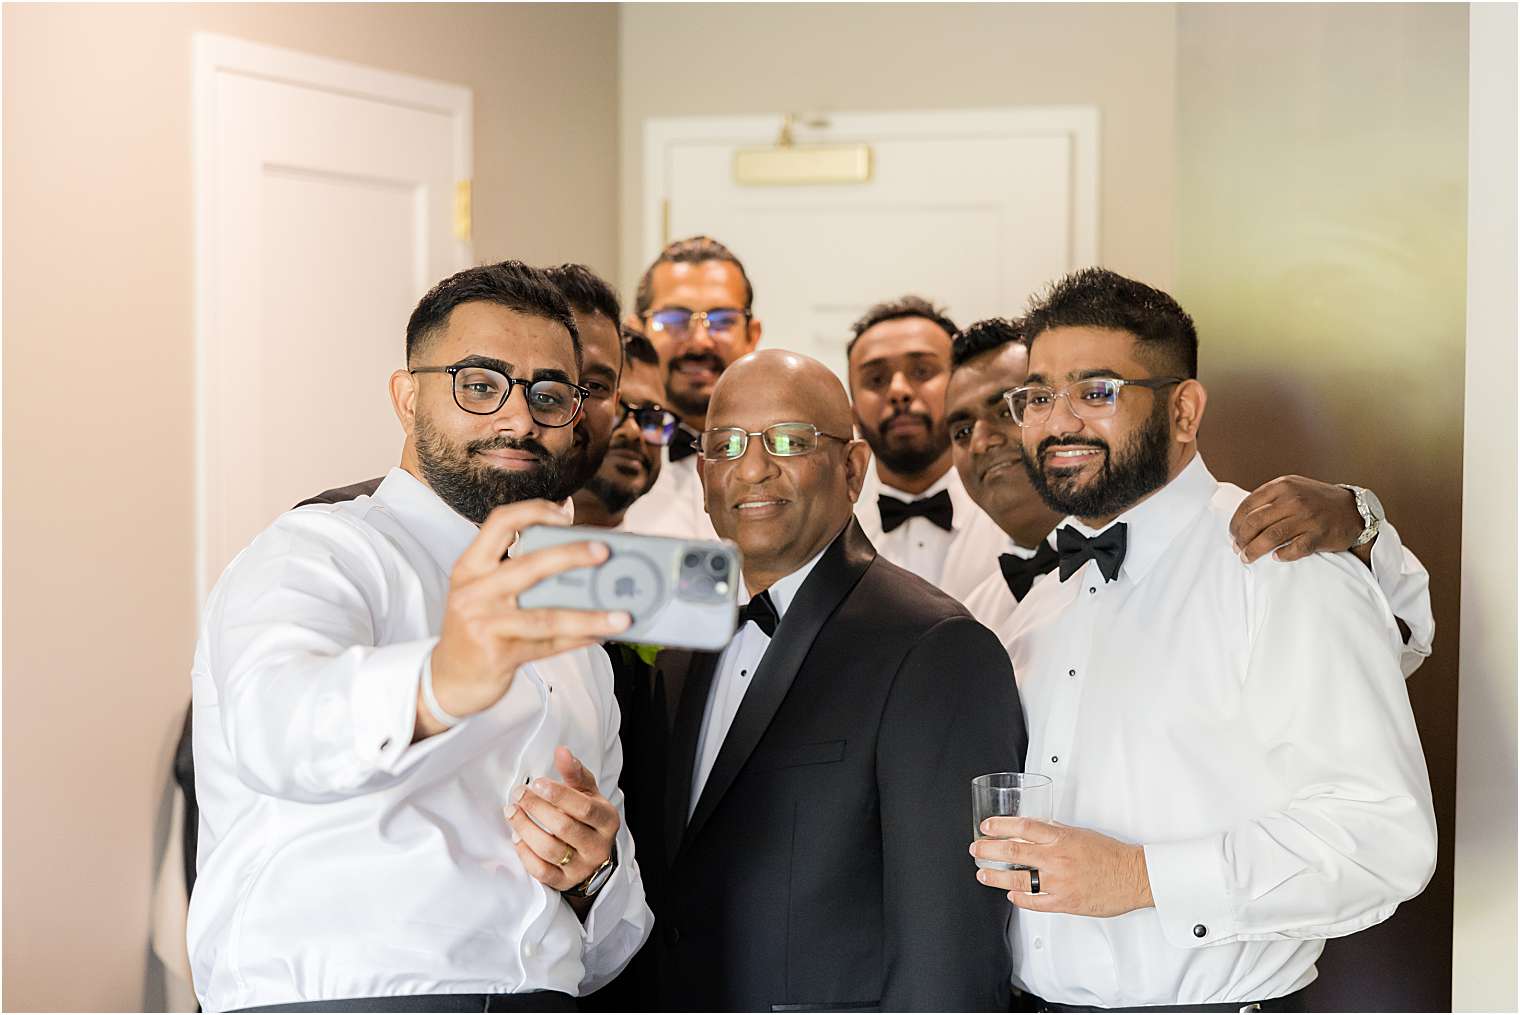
474, 489
617, 492
690, 404
1142, 468
581, 463
911, 459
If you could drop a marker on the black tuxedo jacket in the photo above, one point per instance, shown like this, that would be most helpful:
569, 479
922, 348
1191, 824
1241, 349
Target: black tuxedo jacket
825, 865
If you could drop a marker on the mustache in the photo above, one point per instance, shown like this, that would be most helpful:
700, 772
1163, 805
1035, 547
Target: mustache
706, 359
501, 442
922, 417
632, 444
1084, 442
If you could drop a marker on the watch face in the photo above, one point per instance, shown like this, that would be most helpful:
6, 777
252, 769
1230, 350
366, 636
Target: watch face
1374, 505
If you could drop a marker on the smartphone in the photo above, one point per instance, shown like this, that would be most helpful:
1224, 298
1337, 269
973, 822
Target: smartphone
681, 593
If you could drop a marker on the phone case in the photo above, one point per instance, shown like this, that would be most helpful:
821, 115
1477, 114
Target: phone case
681, 593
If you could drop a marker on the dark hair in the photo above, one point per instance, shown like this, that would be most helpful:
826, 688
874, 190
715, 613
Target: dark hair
1099, 298
586, 291
637, 347
693, 250
510, 284
893, 310
984, 336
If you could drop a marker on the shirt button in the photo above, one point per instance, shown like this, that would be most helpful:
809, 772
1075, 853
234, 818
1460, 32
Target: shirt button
1092, 590
1055, 759
1039, 943
1199, 930
529, 950
1071, 673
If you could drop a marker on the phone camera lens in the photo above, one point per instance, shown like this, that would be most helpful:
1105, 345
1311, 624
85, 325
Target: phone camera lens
692, 561
717, 564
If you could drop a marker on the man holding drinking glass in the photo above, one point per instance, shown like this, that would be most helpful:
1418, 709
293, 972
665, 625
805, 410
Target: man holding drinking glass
1236, 771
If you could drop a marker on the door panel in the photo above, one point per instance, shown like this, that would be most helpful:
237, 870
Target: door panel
974, 210
326, 210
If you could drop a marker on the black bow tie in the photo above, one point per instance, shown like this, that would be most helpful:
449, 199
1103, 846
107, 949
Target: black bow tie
763, 612
1107, 548
1020, 572
683, 444
937, 509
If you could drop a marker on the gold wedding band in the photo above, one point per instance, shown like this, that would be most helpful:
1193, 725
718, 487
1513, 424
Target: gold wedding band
569, 855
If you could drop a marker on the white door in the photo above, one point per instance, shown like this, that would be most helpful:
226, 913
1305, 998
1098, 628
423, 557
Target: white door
326, 206
973, 209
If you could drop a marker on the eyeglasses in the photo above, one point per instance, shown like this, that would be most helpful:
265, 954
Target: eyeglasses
483, 391
657, 425
1093, 398
782, 440
676, 322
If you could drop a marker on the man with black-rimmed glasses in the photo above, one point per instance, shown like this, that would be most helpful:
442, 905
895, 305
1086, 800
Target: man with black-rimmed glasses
407, 784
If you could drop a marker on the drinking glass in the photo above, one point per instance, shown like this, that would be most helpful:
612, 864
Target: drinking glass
1008, 794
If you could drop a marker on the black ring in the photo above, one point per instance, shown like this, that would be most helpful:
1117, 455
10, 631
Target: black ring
1034, 881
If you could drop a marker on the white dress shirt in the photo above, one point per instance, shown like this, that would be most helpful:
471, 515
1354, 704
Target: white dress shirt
732, 679
956, 561
992, 602
673, 506
1250, 727
338, 859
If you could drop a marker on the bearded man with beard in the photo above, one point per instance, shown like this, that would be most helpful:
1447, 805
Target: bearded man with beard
914, 507
642, 428
407, 783
696, 305
1240, 732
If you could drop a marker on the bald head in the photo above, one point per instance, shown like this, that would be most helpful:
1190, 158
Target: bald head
782, 509
798, 387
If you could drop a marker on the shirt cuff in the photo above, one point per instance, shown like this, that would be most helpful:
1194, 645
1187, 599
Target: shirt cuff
1190, 892
610, 906
384, 702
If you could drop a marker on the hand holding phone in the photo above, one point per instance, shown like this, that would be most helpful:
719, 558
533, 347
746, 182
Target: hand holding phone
682, 593
488, 632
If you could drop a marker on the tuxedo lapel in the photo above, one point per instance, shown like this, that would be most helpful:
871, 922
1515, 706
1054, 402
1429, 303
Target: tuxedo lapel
833, 577
687, 678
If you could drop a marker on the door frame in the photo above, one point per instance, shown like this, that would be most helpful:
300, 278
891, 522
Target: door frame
213, 55
1079, 123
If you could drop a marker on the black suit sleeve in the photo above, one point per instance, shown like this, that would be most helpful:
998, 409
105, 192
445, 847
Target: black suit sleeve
953, 714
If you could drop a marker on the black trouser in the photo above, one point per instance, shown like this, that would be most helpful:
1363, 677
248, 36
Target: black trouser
539, 1000
1293, 1002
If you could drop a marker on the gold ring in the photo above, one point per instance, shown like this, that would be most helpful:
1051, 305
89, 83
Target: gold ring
569, 855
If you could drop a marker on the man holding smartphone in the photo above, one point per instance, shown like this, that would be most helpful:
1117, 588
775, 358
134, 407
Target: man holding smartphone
370, 701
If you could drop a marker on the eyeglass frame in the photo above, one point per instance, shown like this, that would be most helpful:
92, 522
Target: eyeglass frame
513, 383
626, 409
747, 434
1149, 383
745, 312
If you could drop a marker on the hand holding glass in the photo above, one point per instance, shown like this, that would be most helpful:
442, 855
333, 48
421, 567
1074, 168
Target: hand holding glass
1008, 794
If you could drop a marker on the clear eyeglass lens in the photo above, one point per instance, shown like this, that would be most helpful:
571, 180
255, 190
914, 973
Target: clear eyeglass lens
552, 402
723, 444
671, 322
787, 439
479, 389
723, 321
1094, 397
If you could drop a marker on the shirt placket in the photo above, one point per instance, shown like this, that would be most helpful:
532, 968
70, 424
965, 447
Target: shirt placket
1081, 626
534, 760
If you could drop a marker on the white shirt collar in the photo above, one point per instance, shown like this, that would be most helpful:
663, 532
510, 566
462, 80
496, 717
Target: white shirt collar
442, 530
785, 590
1156, 521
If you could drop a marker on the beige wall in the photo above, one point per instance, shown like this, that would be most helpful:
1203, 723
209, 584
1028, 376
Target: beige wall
1484, 939
1322, 184
99, 593
720, 59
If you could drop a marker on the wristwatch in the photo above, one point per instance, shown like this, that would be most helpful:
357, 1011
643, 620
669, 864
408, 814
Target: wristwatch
588, 888
1371, 510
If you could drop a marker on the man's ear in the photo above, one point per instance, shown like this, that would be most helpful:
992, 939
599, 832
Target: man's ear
1188, 405
857, 459
702, 479
754, 334
403, 388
